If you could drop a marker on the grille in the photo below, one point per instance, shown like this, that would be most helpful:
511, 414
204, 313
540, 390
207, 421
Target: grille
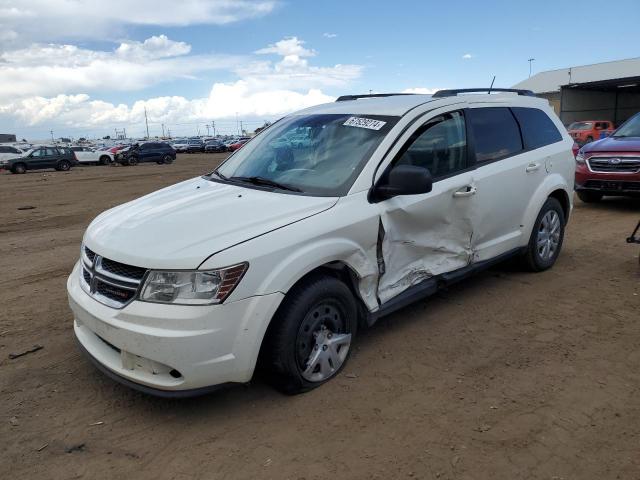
90, 254
615, 164
109, 282
129, 271
613, 186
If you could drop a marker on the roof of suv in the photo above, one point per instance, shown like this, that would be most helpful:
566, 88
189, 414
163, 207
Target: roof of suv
398, 105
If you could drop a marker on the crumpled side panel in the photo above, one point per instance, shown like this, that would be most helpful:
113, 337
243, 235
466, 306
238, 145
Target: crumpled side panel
422, 239
364, 262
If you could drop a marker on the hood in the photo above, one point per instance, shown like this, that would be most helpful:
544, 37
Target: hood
178, 227
611, 144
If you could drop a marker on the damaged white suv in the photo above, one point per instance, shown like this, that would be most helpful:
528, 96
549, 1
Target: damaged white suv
279, 256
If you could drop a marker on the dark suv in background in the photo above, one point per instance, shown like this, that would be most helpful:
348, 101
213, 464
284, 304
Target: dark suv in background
195, 145
59, 158
159, 152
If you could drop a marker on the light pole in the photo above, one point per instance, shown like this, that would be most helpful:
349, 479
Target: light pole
531, 60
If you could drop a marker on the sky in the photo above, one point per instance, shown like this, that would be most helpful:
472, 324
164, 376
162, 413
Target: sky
84, 68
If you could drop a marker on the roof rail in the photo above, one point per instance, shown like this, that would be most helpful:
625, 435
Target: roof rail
453, 93
345, 98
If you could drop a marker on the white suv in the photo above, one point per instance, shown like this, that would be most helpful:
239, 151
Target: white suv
279, 256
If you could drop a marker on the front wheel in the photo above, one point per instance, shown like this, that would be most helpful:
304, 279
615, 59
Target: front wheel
310, 339
167, 159
589, 196
546, 237
105, 160
132, 161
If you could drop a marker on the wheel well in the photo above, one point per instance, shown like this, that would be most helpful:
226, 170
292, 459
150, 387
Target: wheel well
563, 198
345, 274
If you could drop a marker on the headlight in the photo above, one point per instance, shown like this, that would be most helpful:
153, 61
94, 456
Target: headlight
580, 158
192, 287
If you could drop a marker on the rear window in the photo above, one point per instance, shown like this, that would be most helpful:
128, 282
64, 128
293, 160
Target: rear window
496, 133
537, 128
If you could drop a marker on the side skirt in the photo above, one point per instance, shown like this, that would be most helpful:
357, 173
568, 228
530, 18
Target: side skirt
431, 285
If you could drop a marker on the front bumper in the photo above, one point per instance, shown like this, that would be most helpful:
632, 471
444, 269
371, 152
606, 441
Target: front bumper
607, 183
172, 350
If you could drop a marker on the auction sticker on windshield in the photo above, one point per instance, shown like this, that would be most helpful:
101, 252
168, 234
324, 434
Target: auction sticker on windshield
360, 122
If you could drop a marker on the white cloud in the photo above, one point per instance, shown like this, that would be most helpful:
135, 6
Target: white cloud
48, 20
467, 56
421, 90
54, 69
43, 81
153, 47
329, 35
287, 47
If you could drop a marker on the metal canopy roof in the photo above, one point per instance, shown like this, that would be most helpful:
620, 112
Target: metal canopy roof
608, 72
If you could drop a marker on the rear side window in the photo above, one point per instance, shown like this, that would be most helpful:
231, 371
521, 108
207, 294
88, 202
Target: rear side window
537, 128
496, 133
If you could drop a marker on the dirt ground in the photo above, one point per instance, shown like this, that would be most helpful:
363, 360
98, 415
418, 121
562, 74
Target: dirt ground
509, 375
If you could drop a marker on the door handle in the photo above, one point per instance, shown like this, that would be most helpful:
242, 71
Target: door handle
532, 167
465, 191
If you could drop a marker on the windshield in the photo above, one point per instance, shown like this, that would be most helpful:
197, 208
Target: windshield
315, 154
630, 129
581, 126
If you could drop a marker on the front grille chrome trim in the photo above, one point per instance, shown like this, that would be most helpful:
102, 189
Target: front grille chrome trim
626, 164
99, 277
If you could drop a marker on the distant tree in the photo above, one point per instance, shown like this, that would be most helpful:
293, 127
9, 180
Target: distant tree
82, 139
108, 137
24, 140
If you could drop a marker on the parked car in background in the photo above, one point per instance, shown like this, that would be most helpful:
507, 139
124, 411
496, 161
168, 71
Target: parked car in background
195, 145
215, 147
237, 145
88, 155
589, 130
610, 166
280, 256
159, 152
7, 152
59, 158
180, 145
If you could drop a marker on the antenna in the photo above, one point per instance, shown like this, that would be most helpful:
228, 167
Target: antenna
491, 86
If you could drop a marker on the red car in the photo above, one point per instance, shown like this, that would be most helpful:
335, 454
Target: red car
590, 130
235, 146
610, 166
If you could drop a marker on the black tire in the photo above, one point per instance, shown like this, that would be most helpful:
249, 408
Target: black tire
588, 196
316, 302
168, 159
534, 259
589, 139
132, 161
19, 168
63, 166
105, 160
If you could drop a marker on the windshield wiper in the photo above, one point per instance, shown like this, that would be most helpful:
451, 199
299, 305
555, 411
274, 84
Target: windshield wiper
218, 174
266, 182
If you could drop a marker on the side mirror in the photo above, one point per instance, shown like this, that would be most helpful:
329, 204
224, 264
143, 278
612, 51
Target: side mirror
405, 180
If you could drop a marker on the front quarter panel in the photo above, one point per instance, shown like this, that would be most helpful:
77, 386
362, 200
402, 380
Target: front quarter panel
346, 233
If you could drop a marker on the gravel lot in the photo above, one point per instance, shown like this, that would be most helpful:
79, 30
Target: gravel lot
509, 375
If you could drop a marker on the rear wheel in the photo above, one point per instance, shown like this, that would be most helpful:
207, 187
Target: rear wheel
546, 237
167, 159
310, 341
105, 160
63, 165
589, 196
589, 139
19, 168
